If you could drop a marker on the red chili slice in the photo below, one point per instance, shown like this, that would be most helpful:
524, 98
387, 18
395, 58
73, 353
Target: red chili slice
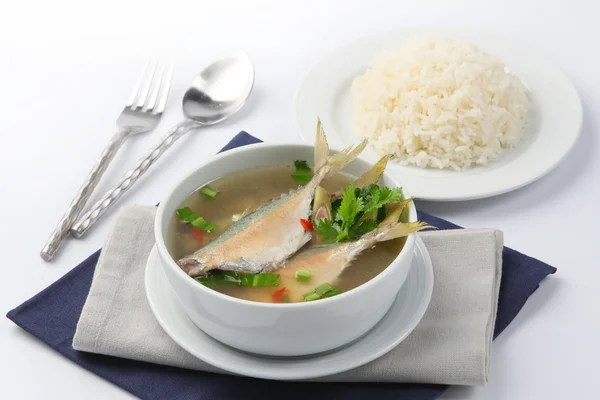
307, 225
279, 294
198, 234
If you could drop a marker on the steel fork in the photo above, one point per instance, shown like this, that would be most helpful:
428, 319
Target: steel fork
141, 114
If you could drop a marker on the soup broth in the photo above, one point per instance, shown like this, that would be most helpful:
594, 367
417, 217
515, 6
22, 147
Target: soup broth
246, 191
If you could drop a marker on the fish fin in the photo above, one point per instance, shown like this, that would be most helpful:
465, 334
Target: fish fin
390, 228
284, 194
339, 160
394, 215
373, 174
401, 229
321, 147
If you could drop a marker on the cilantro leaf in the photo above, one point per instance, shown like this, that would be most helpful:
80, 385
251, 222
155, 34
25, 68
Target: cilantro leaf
391, 195
303, 173
365, 226
356, 212
381, 214
379, 197
335, 206
343, 235
327, 231
187, 215
369, 190
349, 208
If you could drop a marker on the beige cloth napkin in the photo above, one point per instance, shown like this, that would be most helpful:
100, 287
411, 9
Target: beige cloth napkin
451, 345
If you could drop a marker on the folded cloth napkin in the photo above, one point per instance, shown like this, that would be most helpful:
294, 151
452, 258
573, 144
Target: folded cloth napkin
52, 317
451, 345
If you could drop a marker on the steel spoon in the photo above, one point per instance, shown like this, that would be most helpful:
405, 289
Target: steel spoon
217, 93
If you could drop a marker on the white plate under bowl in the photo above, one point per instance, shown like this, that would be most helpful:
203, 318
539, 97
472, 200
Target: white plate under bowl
404, 315
554, 120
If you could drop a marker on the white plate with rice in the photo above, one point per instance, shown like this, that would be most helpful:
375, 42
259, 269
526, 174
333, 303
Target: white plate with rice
467, 115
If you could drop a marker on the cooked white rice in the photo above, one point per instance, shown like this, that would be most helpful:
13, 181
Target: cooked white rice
439, 103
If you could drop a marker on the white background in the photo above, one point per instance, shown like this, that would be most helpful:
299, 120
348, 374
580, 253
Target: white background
67, 67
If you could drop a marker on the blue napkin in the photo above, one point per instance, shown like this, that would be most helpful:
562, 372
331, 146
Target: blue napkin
52, 316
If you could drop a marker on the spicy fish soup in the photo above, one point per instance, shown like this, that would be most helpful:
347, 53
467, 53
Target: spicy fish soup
232, 197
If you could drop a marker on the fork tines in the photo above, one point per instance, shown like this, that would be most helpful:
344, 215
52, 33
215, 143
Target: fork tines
155, 75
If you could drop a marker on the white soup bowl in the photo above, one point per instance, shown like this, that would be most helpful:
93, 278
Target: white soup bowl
286, 329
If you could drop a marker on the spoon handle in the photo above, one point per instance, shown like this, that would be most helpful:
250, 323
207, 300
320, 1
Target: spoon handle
84, 193
128, 180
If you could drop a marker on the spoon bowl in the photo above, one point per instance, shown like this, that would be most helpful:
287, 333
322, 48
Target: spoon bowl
220, 90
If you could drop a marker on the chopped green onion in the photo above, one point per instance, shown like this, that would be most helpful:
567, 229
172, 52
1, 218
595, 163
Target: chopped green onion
311, 296
186, 214
303, 172
258, 280
229, 278
209, 191
332, 292
303, 275
219, 279
324, 288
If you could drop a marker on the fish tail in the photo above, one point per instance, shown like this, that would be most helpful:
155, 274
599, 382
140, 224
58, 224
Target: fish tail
326, 166
373, 174
401, 229
321, 147
339, 160
390, 228
394, 215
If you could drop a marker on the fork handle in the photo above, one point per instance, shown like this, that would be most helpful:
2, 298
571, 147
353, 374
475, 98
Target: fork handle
129, 179
84, 193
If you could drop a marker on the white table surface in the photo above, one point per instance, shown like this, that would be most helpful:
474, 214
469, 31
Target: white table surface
66, 68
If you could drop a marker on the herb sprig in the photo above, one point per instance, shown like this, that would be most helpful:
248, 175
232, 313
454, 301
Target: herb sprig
357, 212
